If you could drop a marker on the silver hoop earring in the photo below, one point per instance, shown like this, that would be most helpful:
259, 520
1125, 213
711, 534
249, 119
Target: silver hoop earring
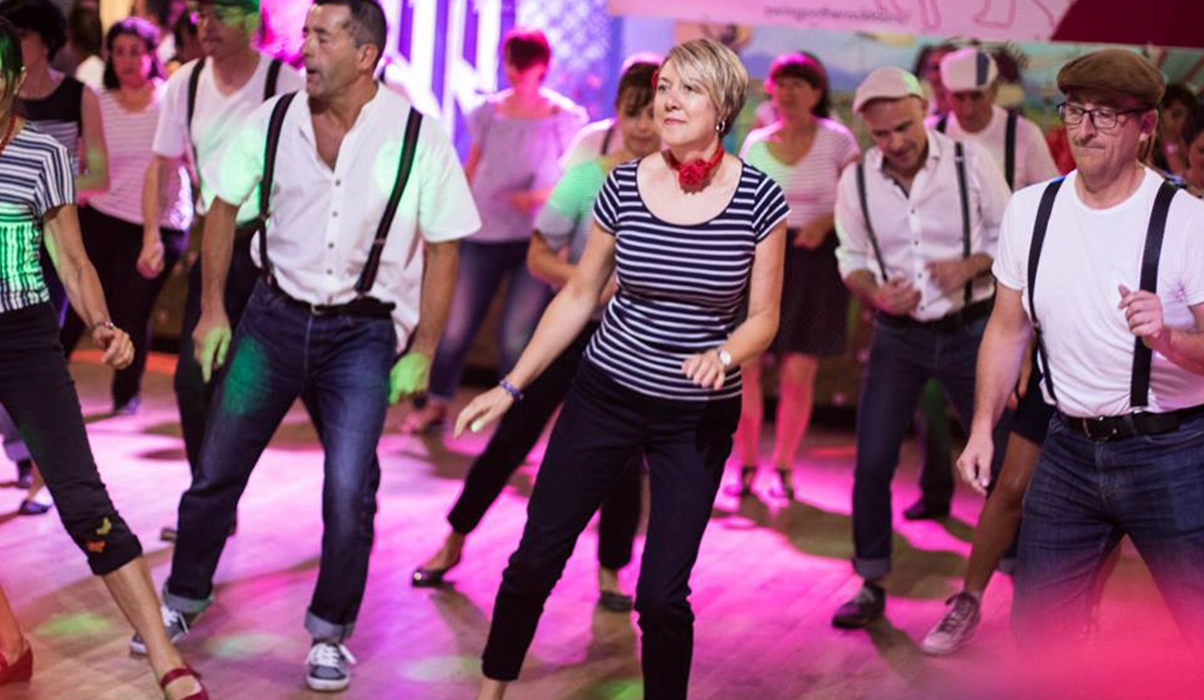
721, 126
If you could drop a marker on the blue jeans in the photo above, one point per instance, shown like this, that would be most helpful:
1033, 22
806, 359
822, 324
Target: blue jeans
1086, 495
483, 267
340, 366
902, 361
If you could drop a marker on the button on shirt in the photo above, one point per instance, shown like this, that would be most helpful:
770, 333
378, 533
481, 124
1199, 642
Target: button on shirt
324, 221
923, 225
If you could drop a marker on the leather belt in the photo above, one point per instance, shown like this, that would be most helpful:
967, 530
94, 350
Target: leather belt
365, 307
1108, 428
950, 322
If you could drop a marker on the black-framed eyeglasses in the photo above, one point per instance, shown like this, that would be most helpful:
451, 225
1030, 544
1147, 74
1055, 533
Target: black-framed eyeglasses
1102, 118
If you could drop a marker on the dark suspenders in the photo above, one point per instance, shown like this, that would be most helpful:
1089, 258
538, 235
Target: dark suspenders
409, 150
194, 81
1009, 145
963, 190
1139, 386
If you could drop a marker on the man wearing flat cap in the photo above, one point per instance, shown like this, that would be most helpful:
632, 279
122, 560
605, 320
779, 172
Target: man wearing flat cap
918, 224
1106, 268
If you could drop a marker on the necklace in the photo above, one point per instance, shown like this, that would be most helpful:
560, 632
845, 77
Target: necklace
693, 175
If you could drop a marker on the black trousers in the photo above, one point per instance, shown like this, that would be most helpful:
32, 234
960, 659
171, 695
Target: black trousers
601, 427
38, 392
193, 395
518, 432
113, 247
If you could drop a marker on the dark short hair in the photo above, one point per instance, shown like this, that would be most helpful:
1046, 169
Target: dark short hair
525, 47
85, 31
41, 16
368, 23
1194, 126
11, 62
806, 67
636, 90
139, 29
1181, 94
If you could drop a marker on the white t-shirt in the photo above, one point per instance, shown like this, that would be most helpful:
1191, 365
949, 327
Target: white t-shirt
1034, 162
91, 72
324, 221
1088, 253
217, 118
588, 143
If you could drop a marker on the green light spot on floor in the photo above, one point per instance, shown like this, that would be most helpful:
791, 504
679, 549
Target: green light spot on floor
77, 625
237, 646
246, 379
626, 689
444, 669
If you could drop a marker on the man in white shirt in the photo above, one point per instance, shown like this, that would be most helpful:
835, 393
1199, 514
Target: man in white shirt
1108, 266
346, 315
918, 224
205, 104
971, 79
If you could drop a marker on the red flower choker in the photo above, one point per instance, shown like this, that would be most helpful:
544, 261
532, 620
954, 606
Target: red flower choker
693, 175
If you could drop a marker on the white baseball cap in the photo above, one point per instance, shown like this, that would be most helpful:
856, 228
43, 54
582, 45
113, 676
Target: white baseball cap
887, 83
968, 69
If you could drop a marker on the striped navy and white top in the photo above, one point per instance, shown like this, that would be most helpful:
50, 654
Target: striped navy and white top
35, 177
681, 287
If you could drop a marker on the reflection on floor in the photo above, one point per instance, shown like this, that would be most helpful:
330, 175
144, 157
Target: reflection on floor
768, 579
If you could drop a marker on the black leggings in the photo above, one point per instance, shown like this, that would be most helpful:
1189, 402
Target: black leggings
518, 432
601, 426
37, 390
113, 246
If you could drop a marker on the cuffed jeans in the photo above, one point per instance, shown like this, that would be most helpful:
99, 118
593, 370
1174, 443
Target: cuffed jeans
1084, 497
902, 360
601, 426
340, 365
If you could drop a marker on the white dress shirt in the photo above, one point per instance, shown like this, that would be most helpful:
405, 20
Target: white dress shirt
324, 221
1034, 162
924, 224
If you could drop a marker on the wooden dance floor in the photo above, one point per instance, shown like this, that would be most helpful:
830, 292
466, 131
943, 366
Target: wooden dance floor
768, 579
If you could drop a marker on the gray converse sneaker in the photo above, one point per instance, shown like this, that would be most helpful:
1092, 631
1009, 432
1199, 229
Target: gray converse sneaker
956, 628
175, 622
329, 667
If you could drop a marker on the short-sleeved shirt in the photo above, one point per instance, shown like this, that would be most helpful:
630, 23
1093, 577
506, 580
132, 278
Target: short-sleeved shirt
61, 115
1087, 255
35, 177
517, 155
1034, 162
567, 217
324, 221
593, 140
809, 184
128, 136
681, 287
216, 119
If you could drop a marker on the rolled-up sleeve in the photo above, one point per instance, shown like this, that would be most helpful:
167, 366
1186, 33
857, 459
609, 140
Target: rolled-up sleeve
853, 253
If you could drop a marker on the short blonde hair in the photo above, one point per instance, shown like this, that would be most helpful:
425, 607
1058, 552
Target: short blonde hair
718, 71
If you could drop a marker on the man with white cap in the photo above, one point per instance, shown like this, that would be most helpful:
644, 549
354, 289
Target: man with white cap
970, 77
918, 223
1106, 266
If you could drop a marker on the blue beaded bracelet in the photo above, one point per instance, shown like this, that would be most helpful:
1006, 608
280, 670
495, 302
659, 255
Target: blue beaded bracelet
511, 389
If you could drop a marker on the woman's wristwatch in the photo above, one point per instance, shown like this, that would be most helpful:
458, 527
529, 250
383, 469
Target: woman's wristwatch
725, 357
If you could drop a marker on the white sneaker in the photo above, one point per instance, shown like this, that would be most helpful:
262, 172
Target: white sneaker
175, 622
329, 667
956, 628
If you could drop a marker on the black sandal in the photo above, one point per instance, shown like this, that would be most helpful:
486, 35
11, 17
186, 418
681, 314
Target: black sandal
786, 487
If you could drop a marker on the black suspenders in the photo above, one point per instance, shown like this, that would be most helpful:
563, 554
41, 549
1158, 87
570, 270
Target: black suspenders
1139, 387
409, 150
194, 81
964, 193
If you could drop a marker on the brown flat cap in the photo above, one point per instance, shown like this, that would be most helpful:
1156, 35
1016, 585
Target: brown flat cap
1114, 70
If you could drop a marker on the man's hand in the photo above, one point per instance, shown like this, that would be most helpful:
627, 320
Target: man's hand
950, 275
1143, 311
119, 349
974, 464
210, 341
410, 376
896, 297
